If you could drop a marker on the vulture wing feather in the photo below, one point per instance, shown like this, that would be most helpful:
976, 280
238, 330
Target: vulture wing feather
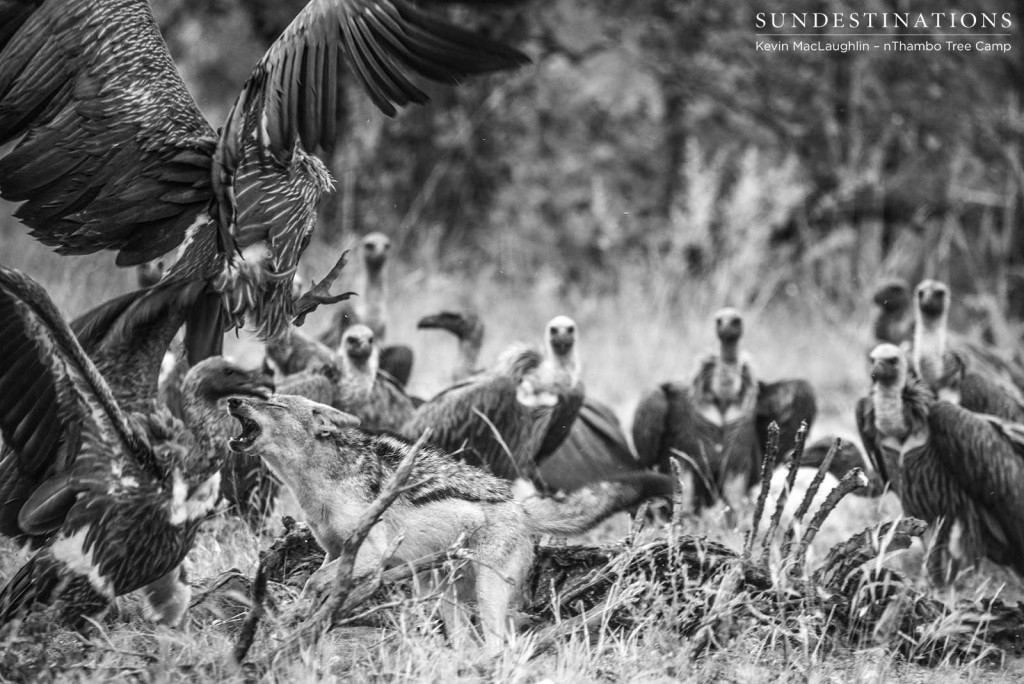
114, 154
73, 407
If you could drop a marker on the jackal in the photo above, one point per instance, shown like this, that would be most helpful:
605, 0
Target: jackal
336, 470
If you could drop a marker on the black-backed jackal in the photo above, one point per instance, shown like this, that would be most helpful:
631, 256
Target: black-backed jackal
336, 470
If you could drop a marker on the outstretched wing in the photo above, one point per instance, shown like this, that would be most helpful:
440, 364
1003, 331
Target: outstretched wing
788, 403
463, 419
295, 88
293, 100
115, 153
54, 406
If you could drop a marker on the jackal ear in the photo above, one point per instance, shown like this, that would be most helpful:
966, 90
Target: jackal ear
330, 421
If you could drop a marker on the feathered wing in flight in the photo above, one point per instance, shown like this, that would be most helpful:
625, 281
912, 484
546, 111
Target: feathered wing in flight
114, 154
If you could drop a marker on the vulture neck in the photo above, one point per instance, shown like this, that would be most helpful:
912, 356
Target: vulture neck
201, 413
890, 418
374, 301
930, 348
360, 375
468, 356
727, 375
566, 367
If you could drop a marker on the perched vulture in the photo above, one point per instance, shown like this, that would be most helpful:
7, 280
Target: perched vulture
371, 309
110, 498
895, 323
894, 320
113, 153
959, 471
958, 377
510, 418
717, 424
596, 448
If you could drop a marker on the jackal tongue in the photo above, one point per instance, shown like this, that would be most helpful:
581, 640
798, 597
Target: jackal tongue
247, 437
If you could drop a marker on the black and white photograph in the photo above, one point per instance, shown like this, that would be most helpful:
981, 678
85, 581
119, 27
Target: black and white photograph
540, 341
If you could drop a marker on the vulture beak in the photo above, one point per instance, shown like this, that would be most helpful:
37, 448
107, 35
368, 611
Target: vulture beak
887, 364
358, 349
728, 325
261, 383
443, 320
562, 343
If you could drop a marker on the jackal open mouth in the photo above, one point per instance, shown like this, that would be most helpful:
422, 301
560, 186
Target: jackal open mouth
250, 427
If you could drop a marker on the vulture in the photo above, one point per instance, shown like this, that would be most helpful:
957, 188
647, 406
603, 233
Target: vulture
347, 380
109, 497
387, 407
960, 471
112, 152
719, 421
343, 382
894, 320
371, 309
510, 418
468, 329
596, 448
959, 377
895, 324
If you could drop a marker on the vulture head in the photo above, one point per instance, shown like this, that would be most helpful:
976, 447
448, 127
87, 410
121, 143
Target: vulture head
357, 343
892, 296
889, 366
375, 248
561, 336
728, 325
932, 299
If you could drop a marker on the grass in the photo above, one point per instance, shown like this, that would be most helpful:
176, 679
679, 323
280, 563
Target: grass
648, 331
